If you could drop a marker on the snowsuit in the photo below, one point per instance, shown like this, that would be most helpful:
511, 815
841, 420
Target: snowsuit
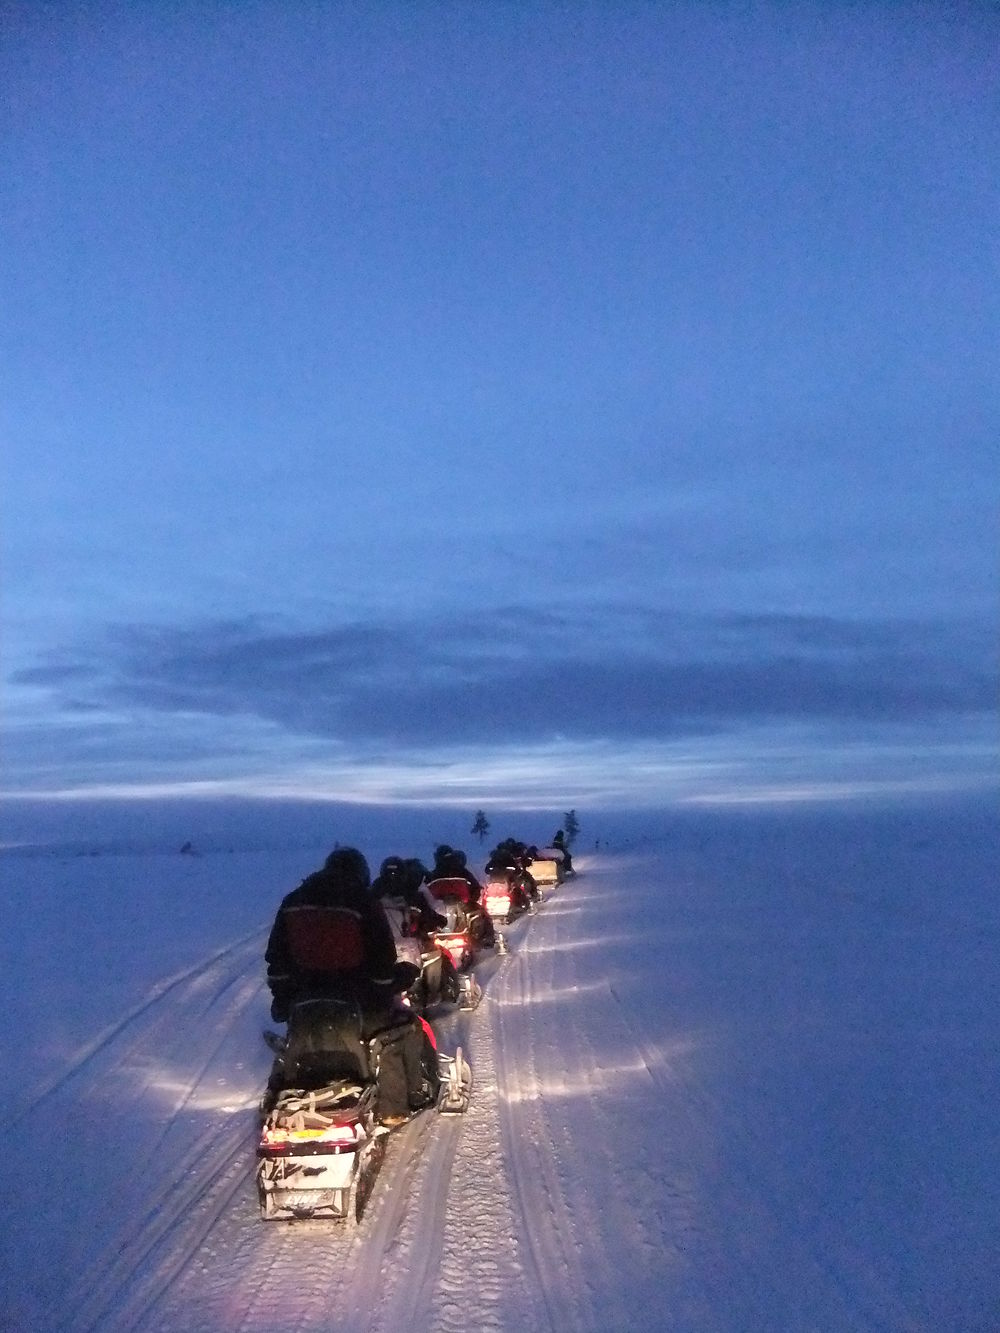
331, 939
399, 887
413, 921
453, 866
411, 917
559, 842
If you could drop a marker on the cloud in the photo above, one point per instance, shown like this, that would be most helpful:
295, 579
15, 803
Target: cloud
516, 675
55, 674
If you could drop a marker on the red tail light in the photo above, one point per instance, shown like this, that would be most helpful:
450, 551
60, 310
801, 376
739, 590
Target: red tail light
283, 1141
457, 947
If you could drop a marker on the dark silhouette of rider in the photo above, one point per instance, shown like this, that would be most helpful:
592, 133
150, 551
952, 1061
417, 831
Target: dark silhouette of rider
395, 884
509, 861
450, 863
559, 842
331, 940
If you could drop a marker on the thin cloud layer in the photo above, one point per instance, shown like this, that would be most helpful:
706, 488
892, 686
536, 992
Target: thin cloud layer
517, 676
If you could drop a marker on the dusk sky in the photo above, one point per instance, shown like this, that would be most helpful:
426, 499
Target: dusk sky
558, 403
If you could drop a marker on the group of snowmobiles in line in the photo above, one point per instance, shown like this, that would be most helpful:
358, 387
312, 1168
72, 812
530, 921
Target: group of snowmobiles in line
354, 967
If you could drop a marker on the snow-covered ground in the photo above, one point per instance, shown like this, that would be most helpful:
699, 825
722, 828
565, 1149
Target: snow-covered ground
741, 1074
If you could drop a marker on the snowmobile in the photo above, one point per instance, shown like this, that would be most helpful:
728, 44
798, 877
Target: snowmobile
321, 1147
506, 898
510, 861
468, 929
439, 980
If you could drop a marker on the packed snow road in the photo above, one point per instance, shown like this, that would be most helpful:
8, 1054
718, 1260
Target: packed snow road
719, 1086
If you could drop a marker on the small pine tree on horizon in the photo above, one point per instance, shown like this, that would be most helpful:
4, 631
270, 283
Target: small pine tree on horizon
571, 827
481, 826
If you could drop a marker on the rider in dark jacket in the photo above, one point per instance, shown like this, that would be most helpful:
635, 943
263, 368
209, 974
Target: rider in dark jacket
502, 859
449, 863
395, 882
559, 842
330, 935
331, 939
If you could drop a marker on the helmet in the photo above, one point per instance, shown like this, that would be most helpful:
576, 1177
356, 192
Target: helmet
415, 872
441, 852
349, 867
392, 866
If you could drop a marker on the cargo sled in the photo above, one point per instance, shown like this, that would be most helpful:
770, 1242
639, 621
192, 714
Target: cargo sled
321, 1147
548, 866
319, 1153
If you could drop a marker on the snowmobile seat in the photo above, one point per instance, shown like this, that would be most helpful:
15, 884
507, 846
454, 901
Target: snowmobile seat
450, 888
325, 1044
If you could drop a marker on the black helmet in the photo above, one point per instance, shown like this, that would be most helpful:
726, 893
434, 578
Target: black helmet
441, 852
349, 867
392, 866
415, 872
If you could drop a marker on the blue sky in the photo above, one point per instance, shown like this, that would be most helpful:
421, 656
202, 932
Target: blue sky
469, 402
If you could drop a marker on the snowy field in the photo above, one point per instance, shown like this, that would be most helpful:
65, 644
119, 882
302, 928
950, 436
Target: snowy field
741, 1074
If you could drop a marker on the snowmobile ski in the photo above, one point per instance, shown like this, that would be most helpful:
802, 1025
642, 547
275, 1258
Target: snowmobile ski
456, 1083
470, 992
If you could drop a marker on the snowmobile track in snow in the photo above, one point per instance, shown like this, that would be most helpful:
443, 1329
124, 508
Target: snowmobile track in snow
168, 1185
546, 1221
104, 1040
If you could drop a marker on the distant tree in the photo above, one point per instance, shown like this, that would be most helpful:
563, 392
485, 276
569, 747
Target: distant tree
571, 827
482, 825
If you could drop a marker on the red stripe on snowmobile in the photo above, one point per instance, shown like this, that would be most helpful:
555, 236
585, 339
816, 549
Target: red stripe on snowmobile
429, 1030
